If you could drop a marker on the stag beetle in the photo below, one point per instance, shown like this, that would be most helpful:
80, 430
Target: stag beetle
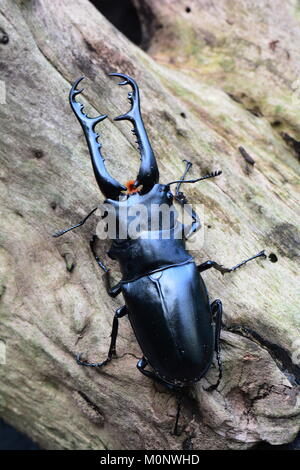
165, 296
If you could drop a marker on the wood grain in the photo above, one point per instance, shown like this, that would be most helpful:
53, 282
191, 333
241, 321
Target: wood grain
210, 83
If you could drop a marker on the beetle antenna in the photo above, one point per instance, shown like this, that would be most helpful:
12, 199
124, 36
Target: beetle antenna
210, 175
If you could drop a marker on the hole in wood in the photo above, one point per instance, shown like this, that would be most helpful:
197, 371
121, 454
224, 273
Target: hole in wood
273, 258
123, 15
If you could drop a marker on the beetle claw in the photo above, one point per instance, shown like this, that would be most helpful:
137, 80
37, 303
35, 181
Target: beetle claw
108, 185
90, 364
148, 174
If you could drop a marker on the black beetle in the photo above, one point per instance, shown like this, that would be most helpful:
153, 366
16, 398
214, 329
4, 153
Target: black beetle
165, 297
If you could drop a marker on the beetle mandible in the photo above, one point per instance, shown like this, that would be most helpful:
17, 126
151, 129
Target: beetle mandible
166, 300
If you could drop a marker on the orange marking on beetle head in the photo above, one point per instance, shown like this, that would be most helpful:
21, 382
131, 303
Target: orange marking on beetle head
130, 187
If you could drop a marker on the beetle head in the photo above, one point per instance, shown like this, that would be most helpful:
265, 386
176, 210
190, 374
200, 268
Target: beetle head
136, 214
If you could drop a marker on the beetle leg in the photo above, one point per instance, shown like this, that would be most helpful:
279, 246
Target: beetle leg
179, 402
217, 311
112, 291
142, 363
196, 224
121, 312
182, 200
62, 232
212, 264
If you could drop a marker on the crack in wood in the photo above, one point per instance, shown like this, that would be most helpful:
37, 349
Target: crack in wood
279, 354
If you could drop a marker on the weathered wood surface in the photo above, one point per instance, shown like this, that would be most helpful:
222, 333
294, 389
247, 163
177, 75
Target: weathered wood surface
232, 69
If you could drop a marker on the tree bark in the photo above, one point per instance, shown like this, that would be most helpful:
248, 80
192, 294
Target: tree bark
216, 78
